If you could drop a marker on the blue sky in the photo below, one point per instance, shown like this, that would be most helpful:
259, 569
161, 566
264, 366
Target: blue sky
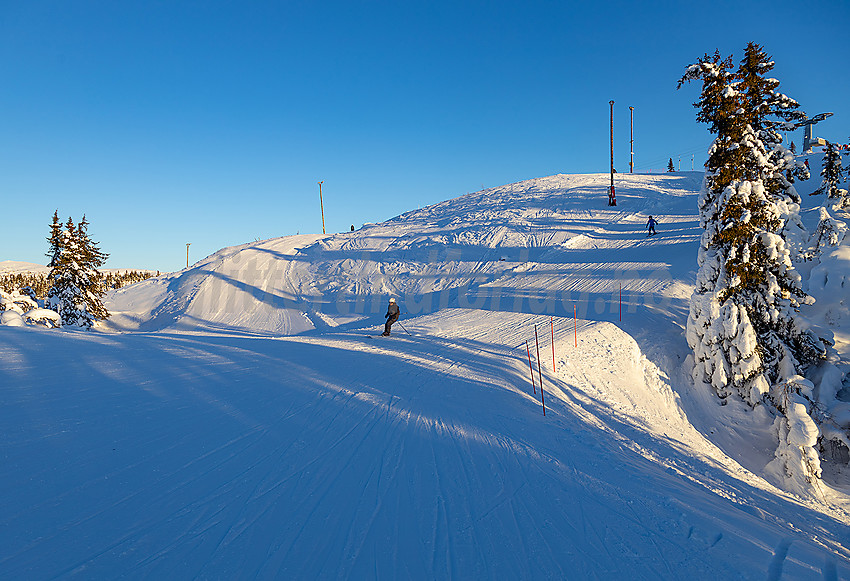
211, 122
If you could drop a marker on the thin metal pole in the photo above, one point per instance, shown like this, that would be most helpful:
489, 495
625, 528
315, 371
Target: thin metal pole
632, 139
322, 205
187, 254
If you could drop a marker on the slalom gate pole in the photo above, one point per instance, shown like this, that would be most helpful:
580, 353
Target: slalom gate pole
575, 324
539, 370
530, 368
552, 324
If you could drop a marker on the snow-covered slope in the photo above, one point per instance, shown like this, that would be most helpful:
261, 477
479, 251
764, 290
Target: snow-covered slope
535, 246
18, 267
254, 426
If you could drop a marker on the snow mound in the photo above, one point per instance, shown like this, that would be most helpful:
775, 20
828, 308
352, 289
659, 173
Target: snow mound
524, 247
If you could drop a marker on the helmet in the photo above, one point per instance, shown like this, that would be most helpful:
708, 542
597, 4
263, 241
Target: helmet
392, 300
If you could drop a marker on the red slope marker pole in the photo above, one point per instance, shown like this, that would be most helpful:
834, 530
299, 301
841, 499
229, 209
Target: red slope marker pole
621, 301
539, 370
530, 368
552, 324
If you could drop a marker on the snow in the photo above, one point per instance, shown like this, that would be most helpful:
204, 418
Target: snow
44, 315
242, 419
19, 267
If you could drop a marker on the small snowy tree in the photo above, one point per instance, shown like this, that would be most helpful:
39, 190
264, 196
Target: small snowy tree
670, 167
833, 174
55, 240
76, 289
829, 233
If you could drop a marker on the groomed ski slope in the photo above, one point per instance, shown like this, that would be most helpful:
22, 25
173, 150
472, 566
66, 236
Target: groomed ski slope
248, 423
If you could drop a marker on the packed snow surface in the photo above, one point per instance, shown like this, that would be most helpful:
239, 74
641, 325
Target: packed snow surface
243, 419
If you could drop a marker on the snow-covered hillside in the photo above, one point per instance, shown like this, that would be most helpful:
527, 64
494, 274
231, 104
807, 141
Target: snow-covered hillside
252, 424
538, 246
19, 267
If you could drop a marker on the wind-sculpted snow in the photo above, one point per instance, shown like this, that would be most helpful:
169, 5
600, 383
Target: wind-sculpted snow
253, 424
536, 246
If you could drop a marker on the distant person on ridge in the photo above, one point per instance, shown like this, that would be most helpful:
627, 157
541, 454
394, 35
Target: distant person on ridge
651, 226
392, 316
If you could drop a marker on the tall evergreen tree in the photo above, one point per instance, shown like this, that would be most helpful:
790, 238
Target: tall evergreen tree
743, 324
670, 166
743, 319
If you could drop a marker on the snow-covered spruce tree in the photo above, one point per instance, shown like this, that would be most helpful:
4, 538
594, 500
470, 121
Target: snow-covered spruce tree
76, 289
63, 294
55, 240
833, 174
743, 324
91, 258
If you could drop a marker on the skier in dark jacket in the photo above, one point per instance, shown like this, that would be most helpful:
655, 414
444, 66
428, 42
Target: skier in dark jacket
392, 316
651, 226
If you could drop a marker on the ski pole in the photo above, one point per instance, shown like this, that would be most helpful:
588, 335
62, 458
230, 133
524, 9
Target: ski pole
405, 330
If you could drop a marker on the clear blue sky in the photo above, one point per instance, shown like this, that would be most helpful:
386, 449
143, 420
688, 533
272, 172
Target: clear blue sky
211, 122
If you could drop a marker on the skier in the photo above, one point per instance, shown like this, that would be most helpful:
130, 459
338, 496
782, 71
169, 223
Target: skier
651, 226
391, 317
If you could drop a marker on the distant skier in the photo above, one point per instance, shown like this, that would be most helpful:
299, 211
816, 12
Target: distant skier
651, 226
392, 316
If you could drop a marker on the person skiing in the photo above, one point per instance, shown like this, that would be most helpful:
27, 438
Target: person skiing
651, 226
392, 316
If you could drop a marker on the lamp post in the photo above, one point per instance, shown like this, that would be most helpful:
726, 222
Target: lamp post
322, 205
187, 254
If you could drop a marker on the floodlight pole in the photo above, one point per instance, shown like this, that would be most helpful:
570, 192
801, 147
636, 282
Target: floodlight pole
612, 198
187, 254
322, 205
632, 139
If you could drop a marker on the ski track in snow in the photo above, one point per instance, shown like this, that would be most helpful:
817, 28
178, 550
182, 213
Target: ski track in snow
249, 429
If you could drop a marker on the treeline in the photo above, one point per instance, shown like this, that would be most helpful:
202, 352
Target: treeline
40, 283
